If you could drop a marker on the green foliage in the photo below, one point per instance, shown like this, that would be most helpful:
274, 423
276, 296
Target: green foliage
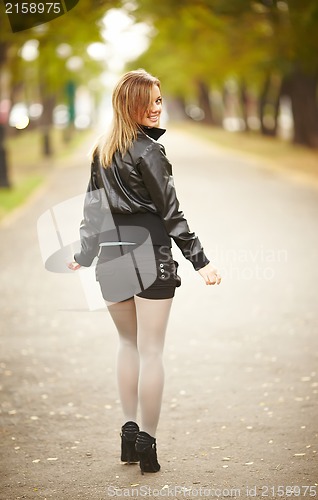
186, 47
78, 28
213, 40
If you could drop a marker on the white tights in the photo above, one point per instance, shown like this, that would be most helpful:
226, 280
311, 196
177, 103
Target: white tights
141, 324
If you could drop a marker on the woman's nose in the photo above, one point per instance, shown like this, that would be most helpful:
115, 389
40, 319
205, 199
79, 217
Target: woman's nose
156, 106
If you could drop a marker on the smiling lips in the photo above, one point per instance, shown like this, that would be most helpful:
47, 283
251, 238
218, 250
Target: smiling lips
153, 118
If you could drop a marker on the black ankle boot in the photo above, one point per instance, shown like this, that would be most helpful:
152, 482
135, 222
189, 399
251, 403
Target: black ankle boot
147, 451
128, 434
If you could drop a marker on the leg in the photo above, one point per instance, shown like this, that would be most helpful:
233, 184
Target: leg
152, 320
124, 317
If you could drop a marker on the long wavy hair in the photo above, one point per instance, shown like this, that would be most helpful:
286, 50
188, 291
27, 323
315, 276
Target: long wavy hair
131, 99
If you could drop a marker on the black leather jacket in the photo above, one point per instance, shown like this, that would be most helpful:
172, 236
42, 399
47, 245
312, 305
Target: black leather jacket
140, 182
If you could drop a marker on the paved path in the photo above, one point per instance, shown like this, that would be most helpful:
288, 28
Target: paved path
240, 402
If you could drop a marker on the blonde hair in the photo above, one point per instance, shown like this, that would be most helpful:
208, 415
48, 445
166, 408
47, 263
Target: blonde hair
131, 99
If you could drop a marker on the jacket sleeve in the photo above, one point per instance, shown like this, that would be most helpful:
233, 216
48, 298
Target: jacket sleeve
156, 172
90, 226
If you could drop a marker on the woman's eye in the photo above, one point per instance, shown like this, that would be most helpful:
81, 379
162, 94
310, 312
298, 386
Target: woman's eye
159, 100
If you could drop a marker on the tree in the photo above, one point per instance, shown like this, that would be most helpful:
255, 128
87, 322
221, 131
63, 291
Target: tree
269, 44
49, 75
180, 52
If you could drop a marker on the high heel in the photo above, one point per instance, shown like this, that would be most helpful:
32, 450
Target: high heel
147, 451
129, 433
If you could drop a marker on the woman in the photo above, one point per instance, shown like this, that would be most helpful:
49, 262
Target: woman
131, 212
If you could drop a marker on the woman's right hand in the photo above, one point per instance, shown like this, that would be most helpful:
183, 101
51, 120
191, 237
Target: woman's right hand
73, 265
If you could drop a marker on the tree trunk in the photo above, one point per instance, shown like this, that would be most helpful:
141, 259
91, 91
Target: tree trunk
204, 102
262, 104
276, 110
177, 108
270, 98
47, 121
4, 174
303, 94
244, 104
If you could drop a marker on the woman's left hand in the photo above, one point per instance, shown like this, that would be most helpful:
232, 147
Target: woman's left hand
210, 274
73, 265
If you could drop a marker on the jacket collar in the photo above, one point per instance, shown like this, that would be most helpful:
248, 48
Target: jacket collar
153, 132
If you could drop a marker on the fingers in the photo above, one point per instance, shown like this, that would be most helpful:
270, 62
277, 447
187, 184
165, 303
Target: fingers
73, 266
213, 279
210, 275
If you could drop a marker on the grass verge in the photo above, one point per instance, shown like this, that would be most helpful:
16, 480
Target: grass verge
27, 165
11, 198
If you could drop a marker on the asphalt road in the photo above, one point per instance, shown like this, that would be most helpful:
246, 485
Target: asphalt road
240, 412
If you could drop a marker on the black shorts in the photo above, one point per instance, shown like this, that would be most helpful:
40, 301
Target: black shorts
124, 271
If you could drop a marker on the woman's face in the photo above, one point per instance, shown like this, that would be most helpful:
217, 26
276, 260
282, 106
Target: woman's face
152, 115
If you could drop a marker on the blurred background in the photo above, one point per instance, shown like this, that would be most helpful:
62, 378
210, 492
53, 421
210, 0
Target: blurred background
239, 81
242, 72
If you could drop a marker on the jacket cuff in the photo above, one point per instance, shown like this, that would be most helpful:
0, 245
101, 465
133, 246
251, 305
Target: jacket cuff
199, 260
83, 260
